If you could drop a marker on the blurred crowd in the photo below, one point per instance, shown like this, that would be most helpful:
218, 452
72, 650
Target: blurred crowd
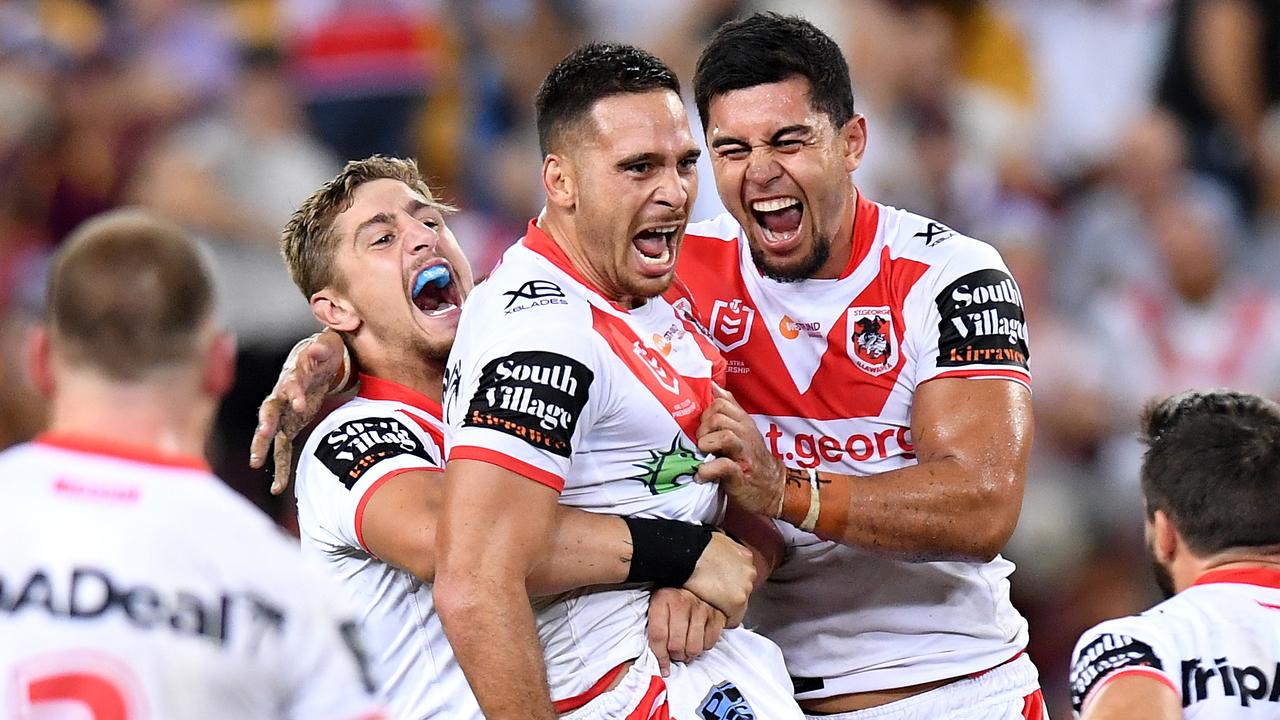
1123, 155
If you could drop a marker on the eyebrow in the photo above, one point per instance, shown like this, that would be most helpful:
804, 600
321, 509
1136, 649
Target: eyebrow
656, 158
777, 135
379, 219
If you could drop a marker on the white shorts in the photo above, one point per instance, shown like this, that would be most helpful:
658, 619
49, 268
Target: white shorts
741, 678
1008, 692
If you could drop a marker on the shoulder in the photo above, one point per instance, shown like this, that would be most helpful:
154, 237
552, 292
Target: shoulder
722, 227
356, 436
1128, 643
929, 241
525, 289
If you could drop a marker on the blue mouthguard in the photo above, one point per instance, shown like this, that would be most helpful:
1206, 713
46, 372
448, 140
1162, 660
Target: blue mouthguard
437, 275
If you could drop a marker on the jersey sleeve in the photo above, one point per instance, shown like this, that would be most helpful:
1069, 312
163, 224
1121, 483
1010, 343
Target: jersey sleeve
525, 399
969, 321
350, 456
1116, 648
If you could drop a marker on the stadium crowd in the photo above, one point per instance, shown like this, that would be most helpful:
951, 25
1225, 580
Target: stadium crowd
1122, 155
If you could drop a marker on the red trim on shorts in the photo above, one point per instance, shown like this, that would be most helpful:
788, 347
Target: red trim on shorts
506, 462
570, 704
1262, 577
368, 493
121, 451
649, 708
1017, 376
1033, 707
375, 388
1136, 670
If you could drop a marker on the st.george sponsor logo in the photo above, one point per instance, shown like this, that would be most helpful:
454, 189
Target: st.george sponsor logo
810, 450
1249, 682
535, 396
534, 293
981, 321
731, 323
91, 594
791, 329
1104, 655
358, 445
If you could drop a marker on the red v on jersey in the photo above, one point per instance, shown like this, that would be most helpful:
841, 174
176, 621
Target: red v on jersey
684, 397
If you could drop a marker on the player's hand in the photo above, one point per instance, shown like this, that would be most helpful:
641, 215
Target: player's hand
751, 475
308, 373
724, 577
681, 627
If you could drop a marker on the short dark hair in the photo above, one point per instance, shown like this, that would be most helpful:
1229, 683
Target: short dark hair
1213, 465
767, 48
589, 74
128, 293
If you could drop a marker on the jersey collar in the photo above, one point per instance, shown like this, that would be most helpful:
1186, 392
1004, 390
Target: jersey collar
375, 388
866, 220
119, 450
1262, 577
541, 243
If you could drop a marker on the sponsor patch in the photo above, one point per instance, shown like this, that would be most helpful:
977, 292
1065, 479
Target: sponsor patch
934, 233
725, 702
982, 322
534, 293
872, 344
731, 323
533, 395
1103, 656
669, 469
358, 445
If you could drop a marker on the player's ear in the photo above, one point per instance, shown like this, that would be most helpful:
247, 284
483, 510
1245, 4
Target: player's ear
1164, 537
38, 356
220, 364
558, 181
854, 135
334, 311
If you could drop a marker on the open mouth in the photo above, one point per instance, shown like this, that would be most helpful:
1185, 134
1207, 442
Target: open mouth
434, 291
779, 218
655, 246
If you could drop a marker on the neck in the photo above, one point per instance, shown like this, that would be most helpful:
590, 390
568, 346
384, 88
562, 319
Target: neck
155, 414
842, 242
424, 375
1240, 559
563, 231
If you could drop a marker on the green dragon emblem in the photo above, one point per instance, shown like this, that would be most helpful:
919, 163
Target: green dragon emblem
664, 468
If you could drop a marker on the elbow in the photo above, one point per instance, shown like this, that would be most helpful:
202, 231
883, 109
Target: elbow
998, 507
455, 596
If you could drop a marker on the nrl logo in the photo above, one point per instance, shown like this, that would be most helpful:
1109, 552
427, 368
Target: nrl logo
871, 345
731, 323
662, 472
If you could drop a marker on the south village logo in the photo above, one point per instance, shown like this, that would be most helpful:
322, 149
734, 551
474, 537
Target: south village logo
662, 472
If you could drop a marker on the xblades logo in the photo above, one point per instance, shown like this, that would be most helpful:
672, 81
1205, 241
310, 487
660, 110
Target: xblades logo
664, 468
533, 290
934, 233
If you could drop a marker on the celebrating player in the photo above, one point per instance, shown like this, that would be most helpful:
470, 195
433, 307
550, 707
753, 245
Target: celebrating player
372, 252
134, 583
573, 381
883, 357
1210, 479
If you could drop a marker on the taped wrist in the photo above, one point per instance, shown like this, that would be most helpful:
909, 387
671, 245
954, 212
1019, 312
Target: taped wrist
665, 552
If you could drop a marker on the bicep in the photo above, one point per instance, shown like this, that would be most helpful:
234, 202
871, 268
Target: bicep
1133, 695
398, 519
984, 421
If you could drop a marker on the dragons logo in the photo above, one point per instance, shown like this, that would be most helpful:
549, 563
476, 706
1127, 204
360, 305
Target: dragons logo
662, 472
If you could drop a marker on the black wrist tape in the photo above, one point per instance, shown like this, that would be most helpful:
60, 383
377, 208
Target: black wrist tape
664, 552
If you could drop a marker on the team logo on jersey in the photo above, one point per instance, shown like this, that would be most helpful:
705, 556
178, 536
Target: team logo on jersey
664, 469
791, 329
725, 702
872, 345
731, 323
358, 445
980, 321
535, 396
1104, 655
534, 293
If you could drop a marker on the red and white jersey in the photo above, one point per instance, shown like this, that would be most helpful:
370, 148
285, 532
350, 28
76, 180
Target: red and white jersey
1216, 644
386, 430
135, 585
829, 369
552, 381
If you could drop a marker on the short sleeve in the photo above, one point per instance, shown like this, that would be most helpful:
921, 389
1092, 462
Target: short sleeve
1113, 649
525, 399
348, 458
970, 321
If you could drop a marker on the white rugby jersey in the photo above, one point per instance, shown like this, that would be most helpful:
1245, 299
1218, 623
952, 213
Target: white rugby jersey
135, 585
828, 368
1216, 644
386, 430
552, 381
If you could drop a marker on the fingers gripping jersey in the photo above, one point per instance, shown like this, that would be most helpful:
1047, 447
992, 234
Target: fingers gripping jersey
550, 380
1216, 644
140, 586
386, 430
829, 369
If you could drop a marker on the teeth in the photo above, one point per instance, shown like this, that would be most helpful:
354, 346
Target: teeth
664, 229
774, 238
659, 260
774, 204
444, 308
